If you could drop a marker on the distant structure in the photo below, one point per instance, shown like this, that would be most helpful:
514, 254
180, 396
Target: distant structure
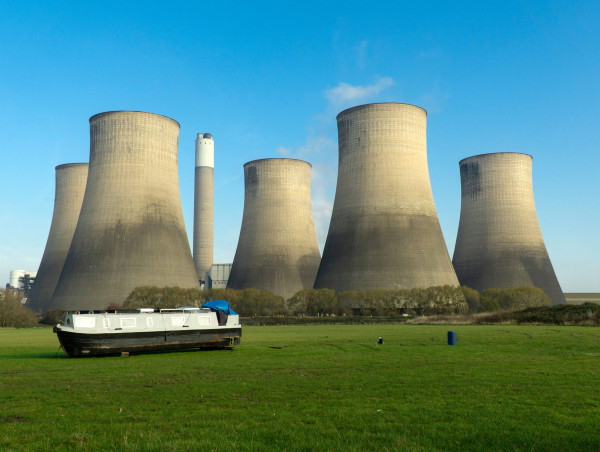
499, 242
581, 298
277, 250
21, 280
70, 187
217, 276
130, 231
384, 231
203, 204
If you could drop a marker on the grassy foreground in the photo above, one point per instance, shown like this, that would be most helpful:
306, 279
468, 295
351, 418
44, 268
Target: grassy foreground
311, 387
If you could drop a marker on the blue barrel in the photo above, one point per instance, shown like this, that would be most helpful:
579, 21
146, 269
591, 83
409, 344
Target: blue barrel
451, 337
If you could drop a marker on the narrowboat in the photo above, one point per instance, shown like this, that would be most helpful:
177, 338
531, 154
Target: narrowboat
93, 333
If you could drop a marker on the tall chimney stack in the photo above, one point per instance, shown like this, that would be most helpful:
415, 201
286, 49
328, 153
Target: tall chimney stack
203, 204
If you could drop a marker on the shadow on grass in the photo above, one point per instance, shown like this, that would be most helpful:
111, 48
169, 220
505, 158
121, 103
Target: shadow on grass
60, 354
50, 355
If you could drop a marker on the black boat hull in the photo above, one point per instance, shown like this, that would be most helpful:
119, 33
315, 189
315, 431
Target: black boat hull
82, 344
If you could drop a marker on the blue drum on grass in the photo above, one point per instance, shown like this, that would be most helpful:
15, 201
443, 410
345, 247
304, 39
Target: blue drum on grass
451, 337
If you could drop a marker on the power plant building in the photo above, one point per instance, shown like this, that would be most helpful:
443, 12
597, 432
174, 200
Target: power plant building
70, 186
130, 230
277, 250
384, 231
203, 204
499, 242
217, 276
22, 280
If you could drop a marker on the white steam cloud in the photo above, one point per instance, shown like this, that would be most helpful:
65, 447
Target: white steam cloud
345, 92
283, 152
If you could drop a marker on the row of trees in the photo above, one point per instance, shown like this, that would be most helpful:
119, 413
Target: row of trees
432, 300
253, 302
510, 298
427, 301
247, 302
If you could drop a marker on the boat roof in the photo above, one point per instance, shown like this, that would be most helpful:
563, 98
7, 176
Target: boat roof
136, 311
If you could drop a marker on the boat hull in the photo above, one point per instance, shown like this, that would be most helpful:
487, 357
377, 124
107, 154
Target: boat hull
95, 344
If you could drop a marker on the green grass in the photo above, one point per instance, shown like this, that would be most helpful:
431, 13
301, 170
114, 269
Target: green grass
329, 388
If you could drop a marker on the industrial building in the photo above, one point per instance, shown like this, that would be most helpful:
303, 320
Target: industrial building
384, 231
70, 187
21, 280
277, 250
499, 242
130, 231
203, 204
217, 276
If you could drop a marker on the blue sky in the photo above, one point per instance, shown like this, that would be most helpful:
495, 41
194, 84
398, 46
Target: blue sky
267, 80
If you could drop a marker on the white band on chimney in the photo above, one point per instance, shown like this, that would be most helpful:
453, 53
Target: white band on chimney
205, 150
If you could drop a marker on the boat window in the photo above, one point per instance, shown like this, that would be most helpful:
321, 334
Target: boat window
84, 322
204, 320
106, 322
150, 321
178, 320
128, 323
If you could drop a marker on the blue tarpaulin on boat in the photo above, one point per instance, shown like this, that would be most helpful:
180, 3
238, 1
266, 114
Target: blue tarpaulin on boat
221, 305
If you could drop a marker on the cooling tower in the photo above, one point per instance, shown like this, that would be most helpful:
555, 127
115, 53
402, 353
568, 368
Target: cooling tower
70, 187
203, 204
499, 242
384, 231
130, 231
277, 250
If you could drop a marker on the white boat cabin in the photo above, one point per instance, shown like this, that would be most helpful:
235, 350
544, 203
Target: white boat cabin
147, 320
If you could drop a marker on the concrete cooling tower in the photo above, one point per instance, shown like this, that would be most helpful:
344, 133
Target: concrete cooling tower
70, 187
384, 231
499, 242
277, 250
130, 231
203, 204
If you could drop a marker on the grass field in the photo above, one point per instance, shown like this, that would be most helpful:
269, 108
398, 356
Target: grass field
327, 388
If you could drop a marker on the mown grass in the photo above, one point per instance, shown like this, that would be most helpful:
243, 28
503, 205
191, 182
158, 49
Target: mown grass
323, 387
